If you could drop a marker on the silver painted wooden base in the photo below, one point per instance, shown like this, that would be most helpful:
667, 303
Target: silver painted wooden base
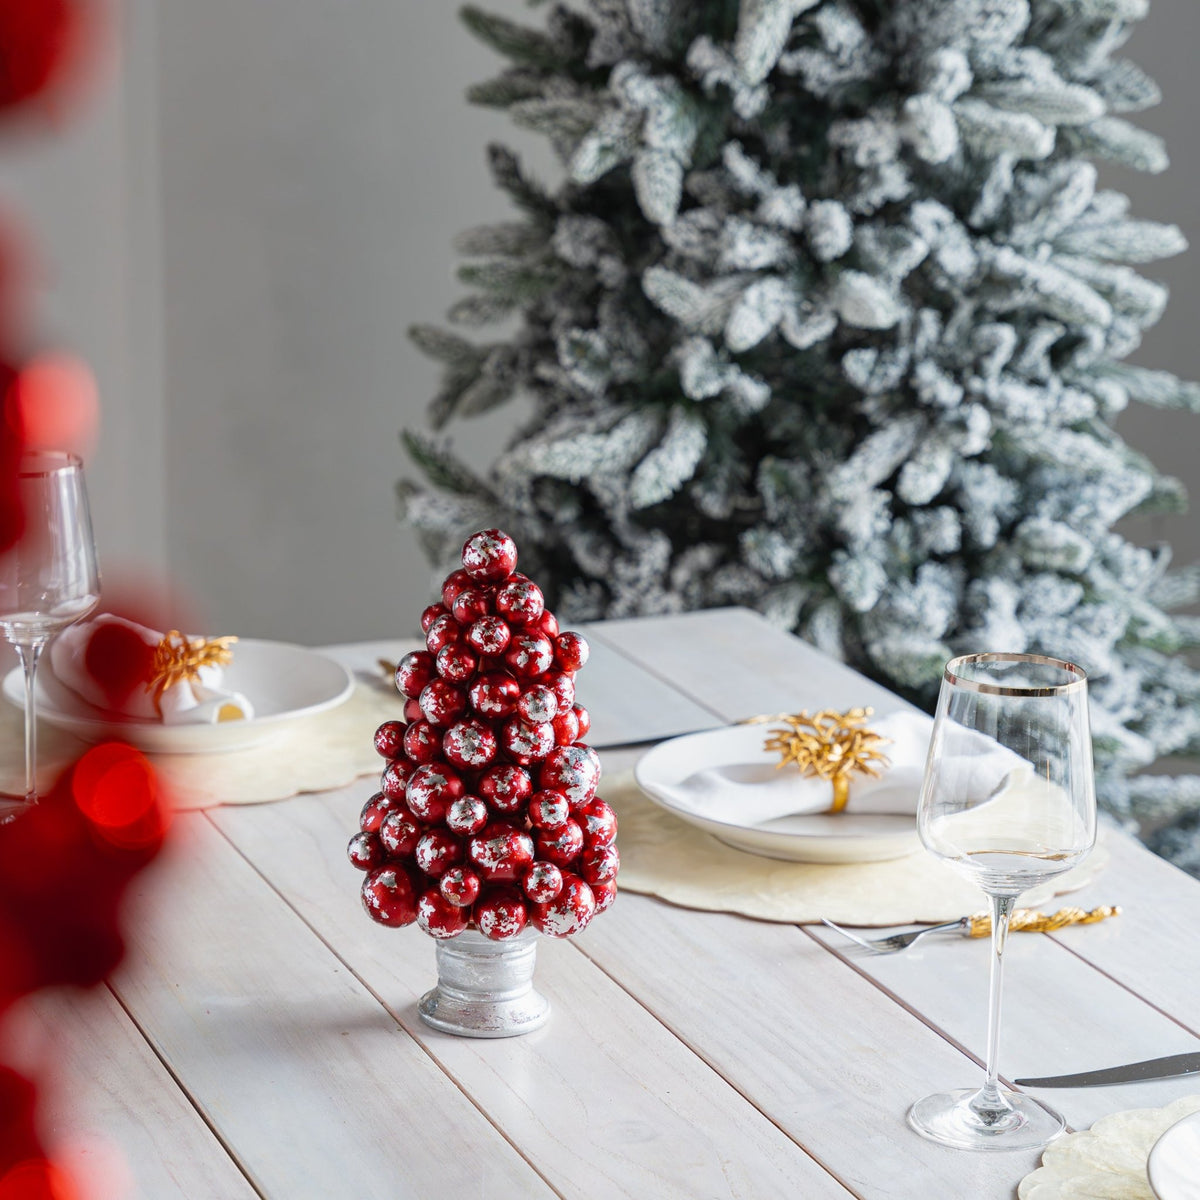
485, 988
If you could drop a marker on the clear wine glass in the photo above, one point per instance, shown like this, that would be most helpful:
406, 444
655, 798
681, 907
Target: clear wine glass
49, 579
1008, 799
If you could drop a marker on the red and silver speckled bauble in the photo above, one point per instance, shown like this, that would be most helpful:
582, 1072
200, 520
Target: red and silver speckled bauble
489, 555
568, 912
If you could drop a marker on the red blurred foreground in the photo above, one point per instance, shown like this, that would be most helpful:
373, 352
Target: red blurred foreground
65, 867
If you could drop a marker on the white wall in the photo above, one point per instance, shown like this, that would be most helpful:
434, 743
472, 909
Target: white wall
317, 160
243, 228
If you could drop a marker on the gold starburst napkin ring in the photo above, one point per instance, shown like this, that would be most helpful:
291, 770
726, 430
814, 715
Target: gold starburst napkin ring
830, 745
177, 657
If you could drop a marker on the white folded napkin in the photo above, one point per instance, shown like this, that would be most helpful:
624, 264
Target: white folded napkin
104, 684
752, 789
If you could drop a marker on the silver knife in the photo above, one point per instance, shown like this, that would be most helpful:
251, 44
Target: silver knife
1153, 1068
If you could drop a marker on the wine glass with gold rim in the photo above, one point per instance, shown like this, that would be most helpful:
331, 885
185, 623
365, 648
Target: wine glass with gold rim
1009, 800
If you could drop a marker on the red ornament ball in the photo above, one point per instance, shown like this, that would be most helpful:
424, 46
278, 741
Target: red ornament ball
389, 897
584, 719
469, 745
568, 912
442, 702
549, 810
605, 894
571, 651
445, 631
537, 705
467, 815
400, 833
436, 851
566, 727
431, 614
459, 885
389, 739
375, 809
495, 694
366, 851
455, 582
563, 687
599, 864
521, 602
414, 671
470, 605
438, 917
422, 741
506, 787
501, 914
542, 882
562, 845
529, 655
489, 555
573, 771
599, 823
501, 852
394, 780
525, 743
489, 636
431, 790
456, 663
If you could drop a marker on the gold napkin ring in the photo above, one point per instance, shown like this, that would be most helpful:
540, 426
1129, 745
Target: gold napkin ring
177, 658
830, 745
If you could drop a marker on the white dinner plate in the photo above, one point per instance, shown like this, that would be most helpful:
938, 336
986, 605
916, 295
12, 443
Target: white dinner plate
282, 681
803, 837
1173, 1167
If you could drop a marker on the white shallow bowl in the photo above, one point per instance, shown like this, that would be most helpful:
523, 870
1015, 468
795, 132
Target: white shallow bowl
804, 837
282, 681
1173, 1167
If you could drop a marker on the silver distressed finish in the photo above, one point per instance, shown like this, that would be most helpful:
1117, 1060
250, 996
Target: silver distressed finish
485, 988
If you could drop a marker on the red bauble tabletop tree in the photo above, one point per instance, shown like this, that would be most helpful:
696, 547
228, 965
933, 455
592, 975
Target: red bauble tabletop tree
487, 815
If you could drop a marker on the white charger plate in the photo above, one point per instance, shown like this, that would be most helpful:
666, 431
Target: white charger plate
844, 837
282, 681
1173, 1167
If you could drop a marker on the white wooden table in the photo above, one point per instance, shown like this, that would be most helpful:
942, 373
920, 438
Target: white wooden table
263, 1037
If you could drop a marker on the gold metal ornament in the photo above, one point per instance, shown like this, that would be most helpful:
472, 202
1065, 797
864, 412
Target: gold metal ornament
1029, 920
177, 658
830, 745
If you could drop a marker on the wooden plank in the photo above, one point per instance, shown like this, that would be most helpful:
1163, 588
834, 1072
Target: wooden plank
1148, 948
603, 1100
302, 1073
109, 1109
830, 1058
733, 661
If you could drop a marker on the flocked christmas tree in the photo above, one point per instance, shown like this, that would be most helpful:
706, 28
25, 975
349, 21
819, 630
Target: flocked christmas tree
827, 317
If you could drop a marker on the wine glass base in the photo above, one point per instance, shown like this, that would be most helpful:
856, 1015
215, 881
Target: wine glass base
948, 1118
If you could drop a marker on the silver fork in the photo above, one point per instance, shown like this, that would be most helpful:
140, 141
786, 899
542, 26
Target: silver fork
901, 941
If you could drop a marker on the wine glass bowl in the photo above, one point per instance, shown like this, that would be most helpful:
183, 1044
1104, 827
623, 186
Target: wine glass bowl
1008, 799
48, 578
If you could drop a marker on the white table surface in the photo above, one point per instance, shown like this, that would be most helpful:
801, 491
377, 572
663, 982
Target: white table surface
262, 1038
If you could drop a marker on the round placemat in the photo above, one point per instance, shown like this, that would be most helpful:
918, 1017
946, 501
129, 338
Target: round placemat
665, 857
1107, 1160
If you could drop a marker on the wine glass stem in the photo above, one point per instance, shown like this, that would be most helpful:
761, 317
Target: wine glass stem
29, 656
988, 1104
